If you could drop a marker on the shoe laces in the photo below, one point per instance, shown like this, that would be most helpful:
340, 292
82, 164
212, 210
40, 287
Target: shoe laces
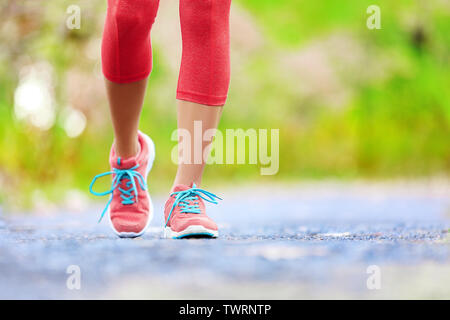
188, 200
130, 195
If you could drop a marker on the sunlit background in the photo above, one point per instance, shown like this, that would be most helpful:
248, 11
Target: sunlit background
350, 103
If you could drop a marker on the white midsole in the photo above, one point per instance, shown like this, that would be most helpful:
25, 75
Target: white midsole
151, 159
191, 230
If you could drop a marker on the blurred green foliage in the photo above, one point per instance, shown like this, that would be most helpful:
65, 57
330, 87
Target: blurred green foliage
349, 102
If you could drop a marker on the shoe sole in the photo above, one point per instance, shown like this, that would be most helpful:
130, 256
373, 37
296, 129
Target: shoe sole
194, 231
151, 159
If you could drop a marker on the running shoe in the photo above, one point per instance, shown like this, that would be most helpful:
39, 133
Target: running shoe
130, 207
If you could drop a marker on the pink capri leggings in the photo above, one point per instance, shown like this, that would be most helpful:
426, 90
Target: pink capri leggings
205, 65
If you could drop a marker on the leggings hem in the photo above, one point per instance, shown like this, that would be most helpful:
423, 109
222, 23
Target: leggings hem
129, 79
201, 98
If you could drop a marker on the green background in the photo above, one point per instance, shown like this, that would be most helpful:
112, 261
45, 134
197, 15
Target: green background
349, 102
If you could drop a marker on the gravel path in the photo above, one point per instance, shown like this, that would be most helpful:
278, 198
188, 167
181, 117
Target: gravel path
302, 241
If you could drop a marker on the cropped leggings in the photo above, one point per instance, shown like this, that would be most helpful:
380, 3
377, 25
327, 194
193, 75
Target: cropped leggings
205, 65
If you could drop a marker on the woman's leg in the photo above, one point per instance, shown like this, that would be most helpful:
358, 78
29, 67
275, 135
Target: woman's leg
125, 103
204, 74
127, 62
188, 114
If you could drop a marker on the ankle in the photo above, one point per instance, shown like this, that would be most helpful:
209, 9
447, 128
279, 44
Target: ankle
187, 182
127, 150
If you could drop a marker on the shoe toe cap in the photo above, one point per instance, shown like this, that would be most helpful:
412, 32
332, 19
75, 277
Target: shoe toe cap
182, 224
125, 224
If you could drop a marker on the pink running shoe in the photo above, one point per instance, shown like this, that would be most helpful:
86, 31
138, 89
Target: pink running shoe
185, 213
130, 206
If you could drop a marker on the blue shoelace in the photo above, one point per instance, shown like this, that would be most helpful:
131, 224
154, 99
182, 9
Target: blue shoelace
129, 196
187, 200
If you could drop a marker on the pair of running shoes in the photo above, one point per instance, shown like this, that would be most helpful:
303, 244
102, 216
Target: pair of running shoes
130, 209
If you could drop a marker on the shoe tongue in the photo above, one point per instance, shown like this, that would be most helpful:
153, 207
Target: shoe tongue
180, 187
120, 163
